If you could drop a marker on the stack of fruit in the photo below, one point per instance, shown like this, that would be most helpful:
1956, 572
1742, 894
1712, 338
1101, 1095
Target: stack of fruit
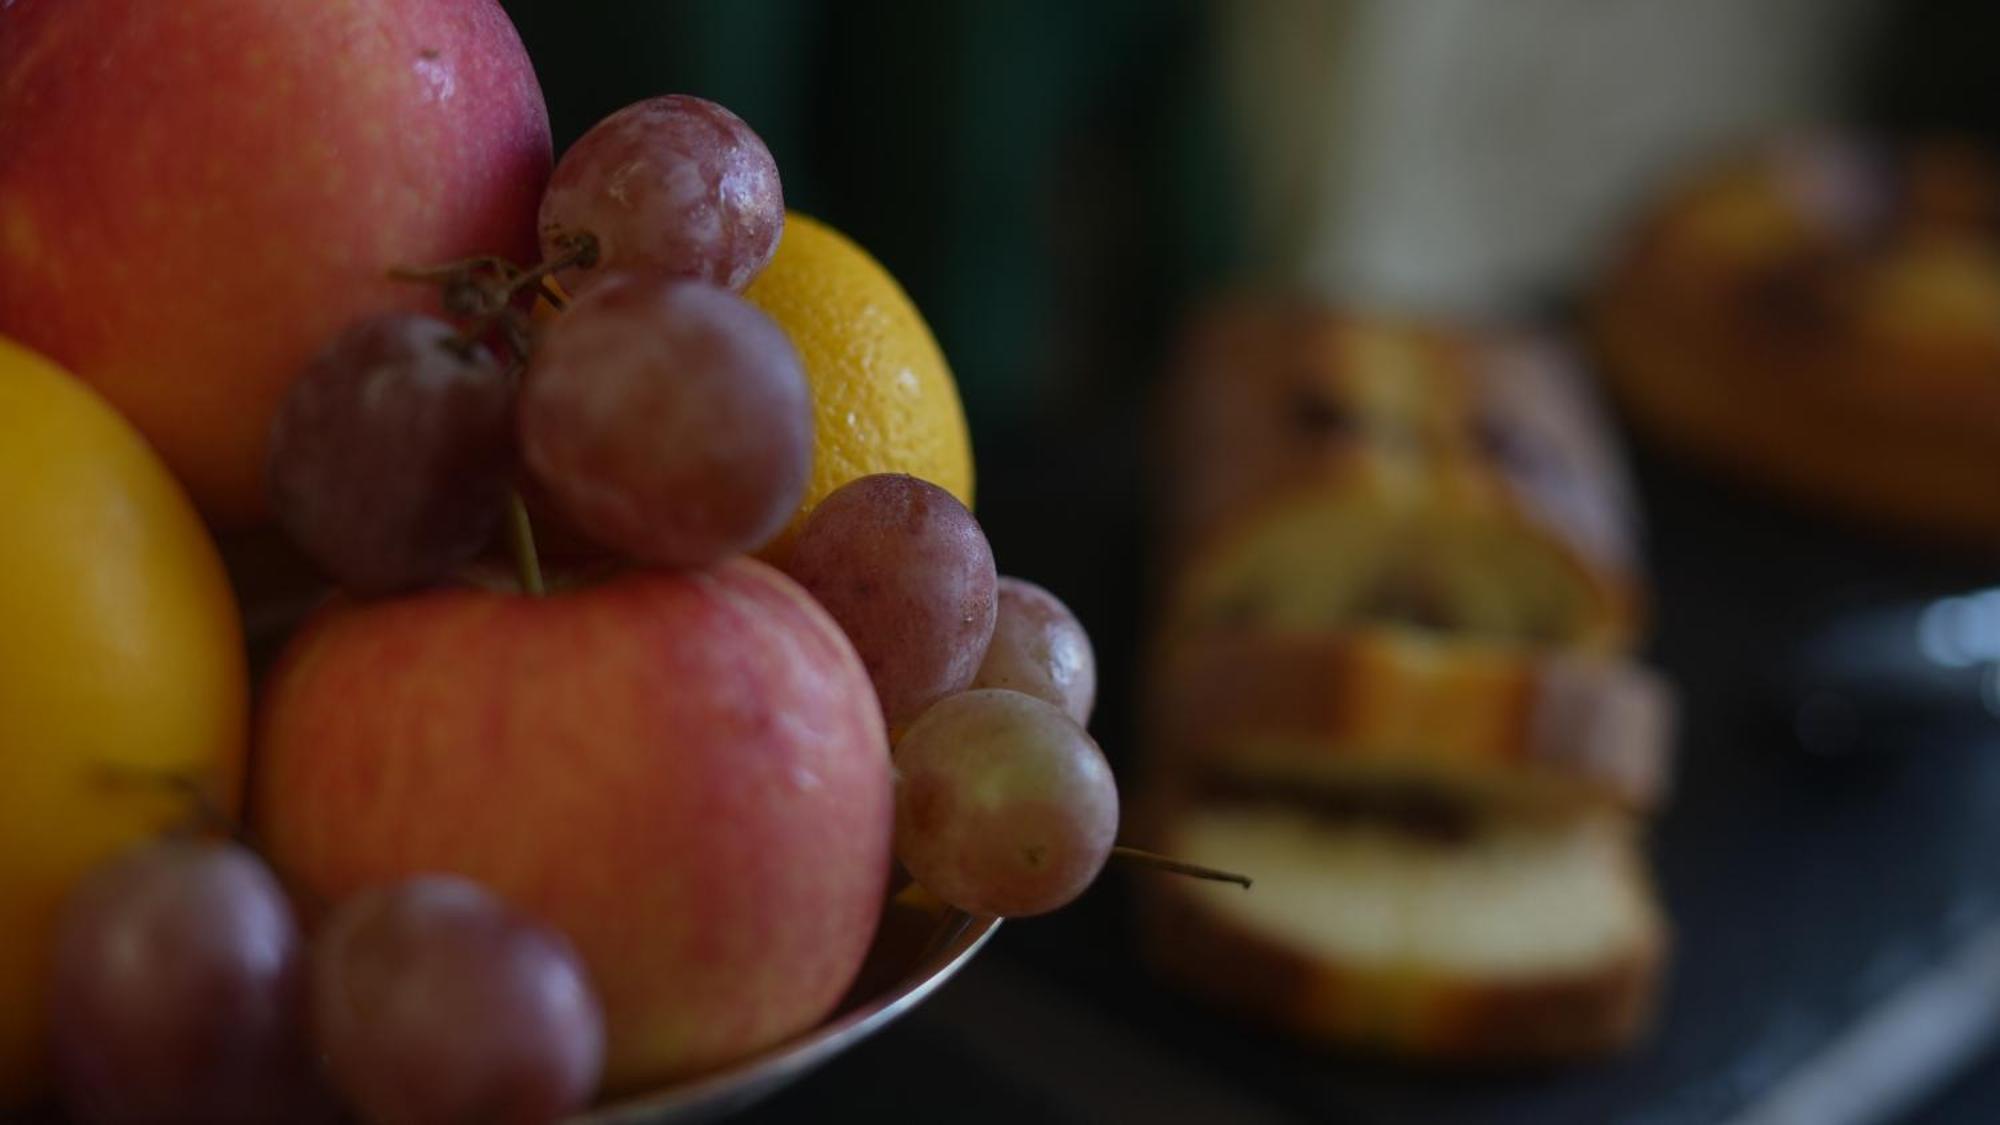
512, 838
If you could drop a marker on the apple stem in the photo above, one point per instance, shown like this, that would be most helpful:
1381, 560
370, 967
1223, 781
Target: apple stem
521, 536
1178, 867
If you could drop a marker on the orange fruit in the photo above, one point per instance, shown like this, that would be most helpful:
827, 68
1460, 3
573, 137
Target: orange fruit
120, 653
883, 396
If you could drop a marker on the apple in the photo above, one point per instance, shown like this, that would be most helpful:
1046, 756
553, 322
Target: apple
196, 195
686, 773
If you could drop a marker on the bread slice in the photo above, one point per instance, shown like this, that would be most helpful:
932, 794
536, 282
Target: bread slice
1396, 705
1533, 941
1325, 469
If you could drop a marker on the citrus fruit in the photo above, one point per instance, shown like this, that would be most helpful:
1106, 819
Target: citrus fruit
883, 397
121, 663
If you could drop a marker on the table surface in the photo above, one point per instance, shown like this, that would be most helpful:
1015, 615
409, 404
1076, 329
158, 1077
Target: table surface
1807, 892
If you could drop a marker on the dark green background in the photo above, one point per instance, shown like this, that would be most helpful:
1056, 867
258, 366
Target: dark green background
1046, 178
1051, 179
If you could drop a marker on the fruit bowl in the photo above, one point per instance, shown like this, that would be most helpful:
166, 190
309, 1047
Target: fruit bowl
918, 948
489, 837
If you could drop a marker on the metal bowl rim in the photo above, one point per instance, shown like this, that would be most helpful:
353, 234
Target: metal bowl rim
743, 1082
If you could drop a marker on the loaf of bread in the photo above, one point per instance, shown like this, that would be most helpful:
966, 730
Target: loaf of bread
1391, 682
1822, 316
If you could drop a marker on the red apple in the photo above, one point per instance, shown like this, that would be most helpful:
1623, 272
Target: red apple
196, 194
685, 773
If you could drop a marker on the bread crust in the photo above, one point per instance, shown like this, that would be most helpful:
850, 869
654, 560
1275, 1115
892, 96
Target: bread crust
1385, 703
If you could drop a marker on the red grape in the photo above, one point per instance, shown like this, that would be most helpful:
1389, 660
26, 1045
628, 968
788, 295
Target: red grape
176, 992
392, 454
1004, 806
908, 574
435, 1003
676, 184
669, 420
1040, 649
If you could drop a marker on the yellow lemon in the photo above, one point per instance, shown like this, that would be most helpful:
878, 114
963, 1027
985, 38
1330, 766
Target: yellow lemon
120, 656
883, 397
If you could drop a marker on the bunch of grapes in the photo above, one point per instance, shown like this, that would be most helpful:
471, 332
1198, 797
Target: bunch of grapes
661, 414
1004, 805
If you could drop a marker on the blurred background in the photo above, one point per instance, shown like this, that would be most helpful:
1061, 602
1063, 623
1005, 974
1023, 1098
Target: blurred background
1060, 186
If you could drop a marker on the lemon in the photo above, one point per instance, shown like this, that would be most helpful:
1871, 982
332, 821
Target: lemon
120, 654
883, 397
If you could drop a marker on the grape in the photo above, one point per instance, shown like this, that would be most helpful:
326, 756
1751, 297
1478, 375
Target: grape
1004, 806
676, 184
906, 571
669, 420
176, 992
1040, 649
392, 454
433, 1002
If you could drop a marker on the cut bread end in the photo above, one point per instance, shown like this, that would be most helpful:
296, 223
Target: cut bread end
1533, 941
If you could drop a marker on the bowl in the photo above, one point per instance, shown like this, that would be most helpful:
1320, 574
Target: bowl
917, 948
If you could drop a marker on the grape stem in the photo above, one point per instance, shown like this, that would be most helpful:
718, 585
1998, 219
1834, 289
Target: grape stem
1178, 867
579, 251
481, 290
456, 271
521, 536
204, 814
